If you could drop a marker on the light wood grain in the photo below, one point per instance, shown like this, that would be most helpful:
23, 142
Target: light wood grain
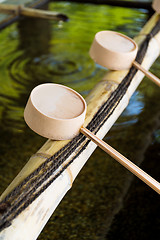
151, 76
151, 182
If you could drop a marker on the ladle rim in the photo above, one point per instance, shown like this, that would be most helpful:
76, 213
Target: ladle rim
62, 86
120, 34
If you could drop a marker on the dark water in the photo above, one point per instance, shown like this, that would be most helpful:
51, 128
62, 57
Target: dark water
106, 201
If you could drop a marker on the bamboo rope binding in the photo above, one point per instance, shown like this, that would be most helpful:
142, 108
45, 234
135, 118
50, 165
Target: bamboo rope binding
29, 12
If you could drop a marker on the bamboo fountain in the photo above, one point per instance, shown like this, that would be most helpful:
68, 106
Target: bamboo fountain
35, 193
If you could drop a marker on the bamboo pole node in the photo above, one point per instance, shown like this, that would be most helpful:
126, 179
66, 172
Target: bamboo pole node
41, 155
18, 10
70, 175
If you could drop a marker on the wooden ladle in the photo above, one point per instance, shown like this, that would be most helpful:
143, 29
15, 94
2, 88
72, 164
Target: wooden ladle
156, 6
58, 112
116, 51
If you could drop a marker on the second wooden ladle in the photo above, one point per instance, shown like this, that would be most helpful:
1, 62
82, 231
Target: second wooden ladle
116, 51
58, 112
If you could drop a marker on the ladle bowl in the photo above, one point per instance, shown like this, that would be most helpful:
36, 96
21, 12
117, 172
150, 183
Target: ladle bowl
55, 111
116, 51
113, 50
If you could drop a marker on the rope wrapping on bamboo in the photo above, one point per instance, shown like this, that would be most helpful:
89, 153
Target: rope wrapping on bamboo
39, 180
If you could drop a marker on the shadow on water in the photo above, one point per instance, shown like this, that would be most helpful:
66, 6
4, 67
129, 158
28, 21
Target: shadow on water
106, 201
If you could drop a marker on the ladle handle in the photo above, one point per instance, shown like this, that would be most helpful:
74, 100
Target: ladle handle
151, 76
123, 160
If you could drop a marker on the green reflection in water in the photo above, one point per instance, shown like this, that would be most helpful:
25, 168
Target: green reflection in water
38, 51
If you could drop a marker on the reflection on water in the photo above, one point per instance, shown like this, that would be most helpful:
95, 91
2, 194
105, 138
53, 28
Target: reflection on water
131, 113
36, 51
136, 105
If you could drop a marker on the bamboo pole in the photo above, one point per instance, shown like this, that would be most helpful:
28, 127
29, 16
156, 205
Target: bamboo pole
30, 12
39, 211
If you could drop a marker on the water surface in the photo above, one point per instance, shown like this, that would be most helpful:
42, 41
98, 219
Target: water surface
106, 201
